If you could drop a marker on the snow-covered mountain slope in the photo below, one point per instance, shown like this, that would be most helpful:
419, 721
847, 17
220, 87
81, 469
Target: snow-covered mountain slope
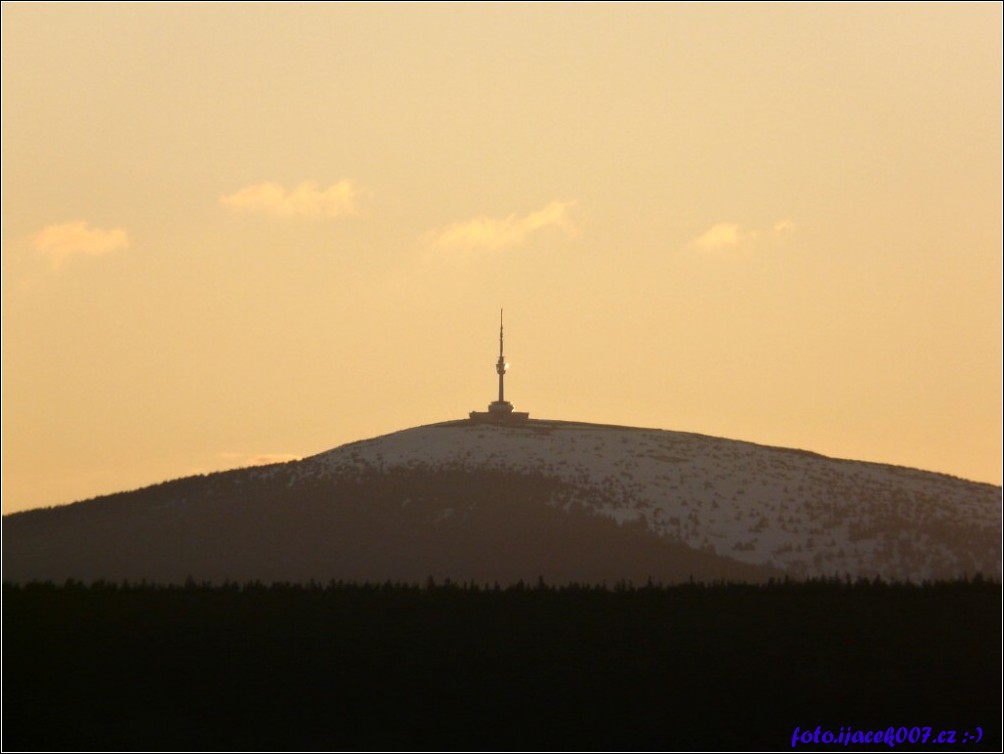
803, 513
560, 500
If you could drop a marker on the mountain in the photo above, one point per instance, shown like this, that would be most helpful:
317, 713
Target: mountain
562, 501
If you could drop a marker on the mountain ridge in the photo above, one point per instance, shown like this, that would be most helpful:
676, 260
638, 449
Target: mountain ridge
461, 499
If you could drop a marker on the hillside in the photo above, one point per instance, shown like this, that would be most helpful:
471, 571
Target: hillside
560, 500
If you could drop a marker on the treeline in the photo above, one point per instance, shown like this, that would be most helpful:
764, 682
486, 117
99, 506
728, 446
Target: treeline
978, 582
472, 666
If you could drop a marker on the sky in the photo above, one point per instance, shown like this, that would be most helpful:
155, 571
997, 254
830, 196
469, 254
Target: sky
234, 234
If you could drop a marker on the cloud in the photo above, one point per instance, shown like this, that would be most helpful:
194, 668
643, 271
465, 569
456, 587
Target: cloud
306, 200
491, 233
718, 236
60, 242
723, 236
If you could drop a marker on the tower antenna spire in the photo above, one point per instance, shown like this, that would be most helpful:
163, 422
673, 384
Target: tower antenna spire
500, 366
500, 411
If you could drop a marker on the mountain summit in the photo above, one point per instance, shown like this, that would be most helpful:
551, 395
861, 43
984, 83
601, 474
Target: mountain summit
562, 501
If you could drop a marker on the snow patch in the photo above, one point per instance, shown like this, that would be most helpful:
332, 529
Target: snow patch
799, 511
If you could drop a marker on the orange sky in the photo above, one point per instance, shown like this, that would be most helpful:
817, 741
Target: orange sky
241, 232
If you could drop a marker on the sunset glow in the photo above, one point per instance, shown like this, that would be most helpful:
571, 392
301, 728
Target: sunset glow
236, 234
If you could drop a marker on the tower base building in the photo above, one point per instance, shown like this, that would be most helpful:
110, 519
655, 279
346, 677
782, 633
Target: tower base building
499, 413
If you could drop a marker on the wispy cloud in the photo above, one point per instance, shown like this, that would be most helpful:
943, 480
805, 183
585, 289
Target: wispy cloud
491, 233
59, 242
726, 236
720, 236
305, 200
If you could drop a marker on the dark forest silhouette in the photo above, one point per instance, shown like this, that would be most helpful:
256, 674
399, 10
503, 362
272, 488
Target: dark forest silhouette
396, 666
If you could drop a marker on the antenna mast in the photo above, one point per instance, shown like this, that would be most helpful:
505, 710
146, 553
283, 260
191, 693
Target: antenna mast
500, 365
500, 411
